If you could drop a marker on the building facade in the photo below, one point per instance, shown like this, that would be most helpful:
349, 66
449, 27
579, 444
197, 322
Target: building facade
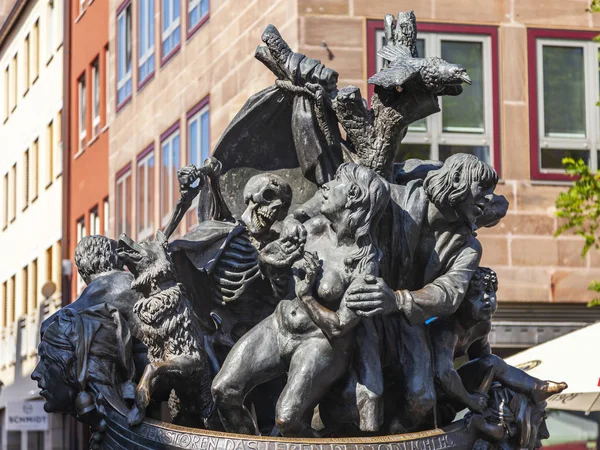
87, 127
522, 114
31, 59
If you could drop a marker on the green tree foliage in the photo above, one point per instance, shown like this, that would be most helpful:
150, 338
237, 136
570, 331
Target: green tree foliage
580, 207
594, 6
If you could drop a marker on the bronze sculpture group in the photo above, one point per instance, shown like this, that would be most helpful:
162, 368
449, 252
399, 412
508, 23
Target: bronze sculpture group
328, 299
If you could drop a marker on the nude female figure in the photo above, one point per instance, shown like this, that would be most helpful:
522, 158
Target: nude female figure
310, 336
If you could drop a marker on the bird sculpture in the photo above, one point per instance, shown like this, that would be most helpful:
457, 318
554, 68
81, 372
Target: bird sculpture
433, 73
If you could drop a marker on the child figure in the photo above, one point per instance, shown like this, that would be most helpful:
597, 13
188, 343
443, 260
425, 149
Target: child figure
466, 332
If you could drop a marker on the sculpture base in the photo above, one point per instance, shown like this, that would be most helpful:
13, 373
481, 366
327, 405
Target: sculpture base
152, 434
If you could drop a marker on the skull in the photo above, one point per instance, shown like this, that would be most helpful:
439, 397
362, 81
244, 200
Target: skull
268, 197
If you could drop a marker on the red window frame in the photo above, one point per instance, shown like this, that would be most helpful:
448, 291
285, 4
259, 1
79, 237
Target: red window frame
191, 31
150, 76
120, 174
126, 100
374, 25
533, 34
164, 59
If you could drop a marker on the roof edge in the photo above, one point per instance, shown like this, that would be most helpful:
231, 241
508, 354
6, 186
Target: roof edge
11, 19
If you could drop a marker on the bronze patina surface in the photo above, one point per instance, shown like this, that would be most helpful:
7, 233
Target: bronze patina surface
323, 298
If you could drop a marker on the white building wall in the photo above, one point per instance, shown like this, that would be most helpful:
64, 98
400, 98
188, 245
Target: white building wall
37, 225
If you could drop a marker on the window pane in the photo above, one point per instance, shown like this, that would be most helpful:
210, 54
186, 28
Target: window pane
166, 12
176, 9
174, 167
483, 153
151, 23
552, 158
420, 47
464, 113
121, 48
564, 92
203, 8
409, 151
128, 39
194, 144
119, 209
205, 134
141, 197
128, 202
164, 179
142, 27
150, 193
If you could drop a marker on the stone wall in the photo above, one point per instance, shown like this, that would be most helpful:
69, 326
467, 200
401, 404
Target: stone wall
532, 264
218, 61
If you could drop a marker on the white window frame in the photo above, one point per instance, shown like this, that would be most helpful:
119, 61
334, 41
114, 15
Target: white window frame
146, 29
435, 136
106, 211
106, 84
167, 145
193, 4
168, 30
197, 117
81, 111
81, 233
145, 222
96, 97
94, 222
121, 203
124, 82
200, 158
591, 142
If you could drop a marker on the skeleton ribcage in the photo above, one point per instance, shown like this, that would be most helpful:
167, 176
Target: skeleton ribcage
236, 269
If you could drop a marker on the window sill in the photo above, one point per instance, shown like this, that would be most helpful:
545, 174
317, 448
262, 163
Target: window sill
81, 14
196, 27
35, 79
92, 140
145, 81
34, 199
79, 153
25, 93
170, 55
48, 184
24, 208
550, 182
104, 129
124, 103
49, 60
4, 227
12, 220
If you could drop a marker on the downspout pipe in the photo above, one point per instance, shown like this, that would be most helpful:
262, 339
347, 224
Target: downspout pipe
66, 156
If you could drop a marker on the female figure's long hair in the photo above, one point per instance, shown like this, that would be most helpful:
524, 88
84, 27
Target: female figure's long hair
367, 207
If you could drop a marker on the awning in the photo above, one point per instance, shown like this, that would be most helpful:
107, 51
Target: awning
572, 358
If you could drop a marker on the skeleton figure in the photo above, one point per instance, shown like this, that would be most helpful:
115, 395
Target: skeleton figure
219, 259
268, 198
